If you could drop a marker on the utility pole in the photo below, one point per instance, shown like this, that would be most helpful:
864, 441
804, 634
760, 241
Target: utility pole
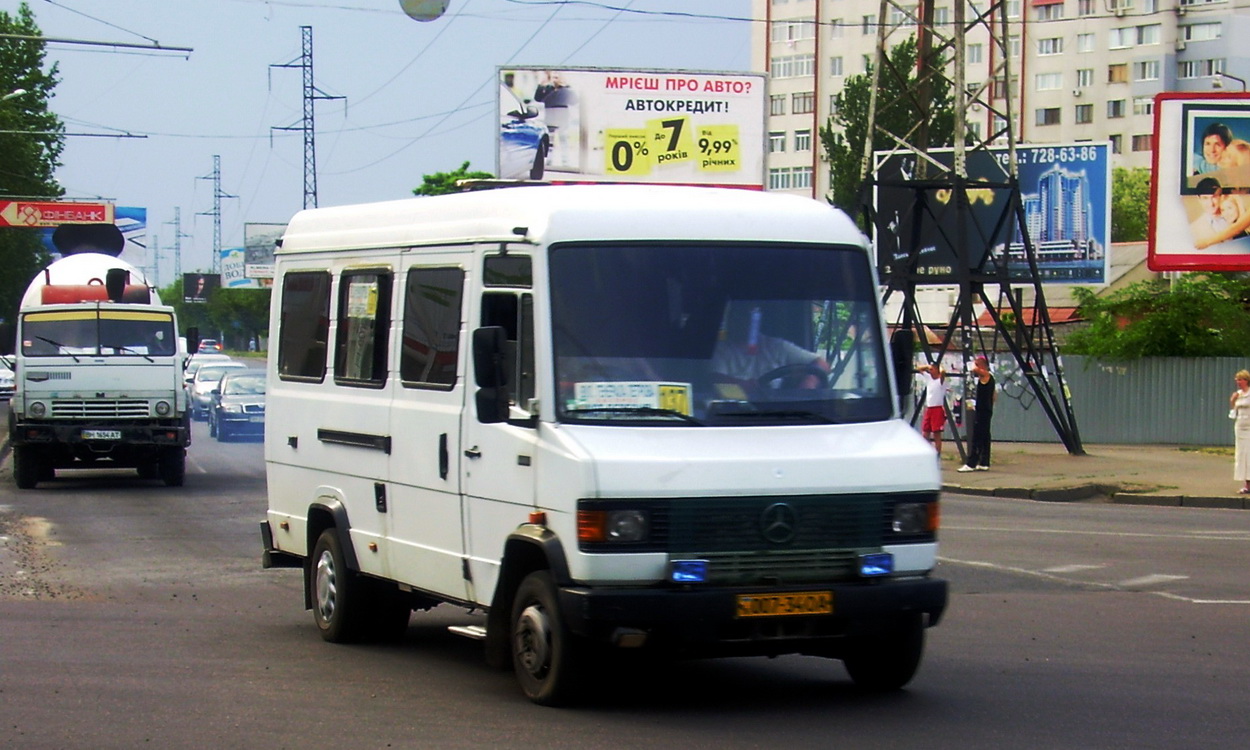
307, 125
178, 235
216, 212
933, 183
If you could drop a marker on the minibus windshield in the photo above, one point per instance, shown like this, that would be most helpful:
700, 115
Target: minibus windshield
716, 334
123, 333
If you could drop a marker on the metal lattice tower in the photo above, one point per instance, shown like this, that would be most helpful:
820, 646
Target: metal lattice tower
940, 210
216, 212
308, 124
178, 235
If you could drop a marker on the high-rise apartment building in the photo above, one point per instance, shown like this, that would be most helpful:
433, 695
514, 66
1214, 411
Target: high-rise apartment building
1082, 70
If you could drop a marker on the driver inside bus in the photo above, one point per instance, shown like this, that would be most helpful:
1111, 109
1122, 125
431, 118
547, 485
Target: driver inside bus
744, 356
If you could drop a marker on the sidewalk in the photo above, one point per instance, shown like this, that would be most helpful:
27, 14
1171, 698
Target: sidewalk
1189, 476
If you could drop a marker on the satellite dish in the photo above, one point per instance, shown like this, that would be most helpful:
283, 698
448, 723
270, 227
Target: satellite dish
424, 10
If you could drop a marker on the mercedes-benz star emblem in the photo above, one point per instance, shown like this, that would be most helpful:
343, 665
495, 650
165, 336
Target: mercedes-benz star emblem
779, 523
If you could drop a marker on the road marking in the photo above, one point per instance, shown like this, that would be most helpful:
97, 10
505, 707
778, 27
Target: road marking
1206, 536
1072, 568
1150, 580
1098, 584
196, 464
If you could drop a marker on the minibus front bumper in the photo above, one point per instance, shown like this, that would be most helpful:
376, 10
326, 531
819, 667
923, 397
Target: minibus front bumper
711, 621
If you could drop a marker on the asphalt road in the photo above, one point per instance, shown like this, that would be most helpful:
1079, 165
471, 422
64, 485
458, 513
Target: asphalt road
132, 615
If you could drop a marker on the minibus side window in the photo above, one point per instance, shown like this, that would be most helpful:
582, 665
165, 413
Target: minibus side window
431, 344
515, 314
360, 352
304, 325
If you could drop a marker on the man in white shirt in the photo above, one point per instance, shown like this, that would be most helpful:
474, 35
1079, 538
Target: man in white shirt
934, 420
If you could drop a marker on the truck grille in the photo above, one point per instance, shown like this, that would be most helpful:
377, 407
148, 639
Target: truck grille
84, 409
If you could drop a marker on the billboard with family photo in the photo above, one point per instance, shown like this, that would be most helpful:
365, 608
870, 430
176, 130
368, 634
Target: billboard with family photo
1200, 191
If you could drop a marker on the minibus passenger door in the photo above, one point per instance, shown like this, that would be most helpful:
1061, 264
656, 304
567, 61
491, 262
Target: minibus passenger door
499, 433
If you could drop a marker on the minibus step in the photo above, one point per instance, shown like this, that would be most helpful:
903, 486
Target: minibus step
476, 632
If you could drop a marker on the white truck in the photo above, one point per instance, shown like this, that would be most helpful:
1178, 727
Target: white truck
98, 368
610, 417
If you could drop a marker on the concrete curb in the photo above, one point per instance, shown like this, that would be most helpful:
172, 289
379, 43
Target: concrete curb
1104, 493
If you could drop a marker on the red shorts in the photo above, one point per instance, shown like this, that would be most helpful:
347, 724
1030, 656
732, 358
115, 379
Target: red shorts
934, 419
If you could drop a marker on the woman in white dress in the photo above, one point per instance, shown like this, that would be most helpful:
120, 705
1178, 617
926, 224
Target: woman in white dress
1239, 410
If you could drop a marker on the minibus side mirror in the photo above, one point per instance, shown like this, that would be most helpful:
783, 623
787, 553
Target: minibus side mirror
193, 340
490, 375
903, 352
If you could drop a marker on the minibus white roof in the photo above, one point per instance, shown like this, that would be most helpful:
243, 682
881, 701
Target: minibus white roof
545, 214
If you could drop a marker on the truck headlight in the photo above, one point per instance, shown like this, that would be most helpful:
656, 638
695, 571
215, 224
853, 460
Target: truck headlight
38, 409
163, 408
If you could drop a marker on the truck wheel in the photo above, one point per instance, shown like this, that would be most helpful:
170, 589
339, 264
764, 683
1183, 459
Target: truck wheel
337, 593
173, 467
886, 660
27, 468
546, 657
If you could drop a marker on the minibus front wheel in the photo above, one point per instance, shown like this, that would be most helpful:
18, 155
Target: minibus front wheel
546, 656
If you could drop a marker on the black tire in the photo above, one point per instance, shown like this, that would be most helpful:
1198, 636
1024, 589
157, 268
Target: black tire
149, 470
889, 659
549, 661
27, 468
338, 595
173, 467
212, 425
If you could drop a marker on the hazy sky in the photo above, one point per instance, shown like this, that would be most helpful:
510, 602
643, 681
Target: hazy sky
420, 97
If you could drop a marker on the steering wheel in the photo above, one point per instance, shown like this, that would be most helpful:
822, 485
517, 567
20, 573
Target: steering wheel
793, 376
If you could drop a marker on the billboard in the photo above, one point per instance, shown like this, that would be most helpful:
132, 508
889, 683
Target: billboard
259, 242
233, 265
647, 126
1200, 186
199, 287
1066, 198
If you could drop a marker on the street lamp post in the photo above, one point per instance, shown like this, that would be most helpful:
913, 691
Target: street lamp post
1216, 83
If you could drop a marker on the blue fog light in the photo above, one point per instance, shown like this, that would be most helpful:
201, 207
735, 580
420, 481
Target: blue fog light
688, 571
876, 564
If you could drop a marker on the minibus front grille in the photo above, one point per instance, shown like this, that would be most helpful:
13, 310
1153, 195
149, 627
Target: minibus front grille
803, 530
780, 568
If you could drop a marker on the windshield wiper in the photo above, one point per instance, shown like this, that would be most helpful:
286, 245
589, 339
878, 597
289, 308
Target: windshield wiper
780, 414
119, 348
58, 345
650, 411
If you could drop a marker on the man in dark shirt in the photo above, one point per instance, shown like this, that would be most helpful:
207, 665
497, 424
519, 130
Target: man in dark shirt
983, 411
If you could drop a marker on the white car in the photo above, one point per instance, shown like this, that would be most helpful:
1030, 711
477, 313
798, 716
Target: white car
7, 382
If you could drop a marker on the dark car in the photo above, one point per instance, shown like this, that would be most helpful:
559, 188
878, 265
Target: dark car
238, 406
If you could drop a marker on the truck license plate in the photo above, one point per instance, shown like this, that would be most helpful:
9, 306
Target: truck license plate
101, 434
778, 605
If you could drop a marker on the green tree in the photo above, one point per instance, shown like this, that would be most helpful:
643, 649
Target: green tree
1130, 204
31, 140
898, 110
237, 314
441, 183
1196, 316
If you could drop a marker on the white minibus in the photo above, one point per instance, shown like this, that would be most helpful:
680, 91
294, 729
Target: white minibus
603, 417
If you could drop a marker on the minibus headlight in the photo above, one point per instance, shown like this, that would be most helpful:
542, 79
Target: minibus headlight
621, 526
38, 409
915, 518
